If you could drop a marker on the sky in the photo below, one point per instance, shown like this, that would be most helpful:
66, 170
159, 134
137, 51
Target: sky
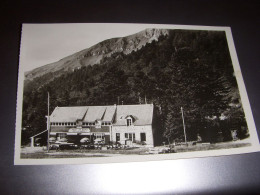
42, 44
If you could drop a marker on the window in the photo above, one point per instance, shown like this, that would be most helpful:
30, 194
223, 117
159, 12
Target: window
130, 136
143, 137
117, 137
100, 136
61, 135
129, 121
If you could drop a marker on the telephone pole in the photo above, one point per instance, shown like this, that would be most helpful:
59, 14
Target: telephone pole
48, 123
184, 130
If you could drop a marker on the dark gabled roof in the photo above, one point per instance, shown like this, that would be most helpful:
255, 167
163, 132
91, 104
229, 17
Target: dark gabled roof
142, 114
84, 113
68, 114
104, 113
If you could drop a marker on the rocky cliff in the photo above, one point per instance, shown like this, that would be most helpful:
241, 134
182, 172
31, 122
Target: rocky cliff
96, 53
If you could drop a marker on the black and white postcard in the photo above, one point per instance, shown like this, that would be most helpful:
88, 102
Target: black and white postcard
100, 93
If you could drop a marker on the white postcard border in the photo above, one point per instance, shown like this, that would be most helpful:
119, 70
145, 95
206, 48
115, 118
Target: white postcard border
255, 147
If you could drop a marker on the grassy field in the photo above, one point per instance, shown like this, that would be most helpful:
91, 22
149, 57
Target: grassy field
39, 153
205, 147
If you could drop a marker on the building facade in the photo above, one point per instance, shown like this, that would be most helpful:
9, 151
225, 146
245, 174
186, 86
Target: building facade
124, 124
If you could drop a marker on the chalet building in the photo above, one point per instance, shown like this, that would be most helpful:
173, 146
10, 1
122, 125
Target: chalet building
125, 124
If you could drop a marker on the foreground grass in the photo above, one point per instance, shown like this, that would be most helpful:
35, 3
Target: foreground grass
81, 153
216, 146
41, 154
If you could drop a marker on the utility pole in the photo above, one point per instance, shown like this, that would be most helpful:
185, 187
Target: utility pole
183, 125
48, 123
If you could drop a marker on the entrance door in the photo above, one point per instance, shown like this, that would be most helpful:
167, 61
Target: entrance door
143, 137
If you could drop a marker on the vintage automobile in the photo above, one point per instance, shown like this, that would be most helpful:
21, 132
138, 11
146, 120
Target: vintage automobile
87, 146
54, 146
68, 146
63, 146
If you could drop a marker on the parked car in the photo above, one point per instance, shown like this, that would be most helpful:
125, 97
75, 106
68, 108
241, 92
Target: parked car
97, 146
68, 146
54, 146
109, 146
99, 141
88, 146
84, 140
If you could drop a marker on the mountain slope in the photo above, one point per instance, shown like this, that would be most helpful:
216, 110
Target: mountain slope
96, 53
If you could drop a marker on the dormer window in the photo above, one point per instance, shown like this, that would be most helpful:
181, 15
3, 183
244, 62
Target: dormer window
129, 121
